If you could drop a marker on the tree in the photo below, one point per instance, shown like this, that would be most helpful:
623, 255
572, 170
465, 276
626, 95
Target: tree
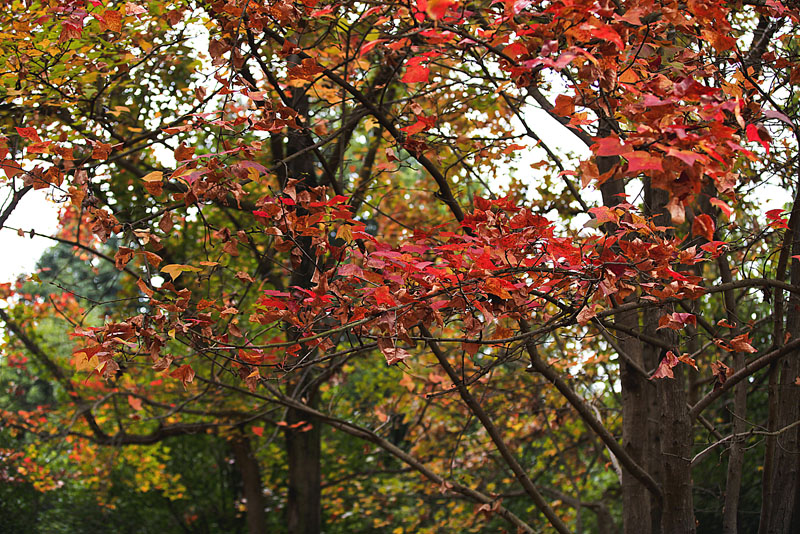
327, 231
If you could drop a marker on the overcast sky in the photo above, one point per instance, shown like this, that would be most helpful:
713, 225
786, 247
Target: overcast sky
18, 255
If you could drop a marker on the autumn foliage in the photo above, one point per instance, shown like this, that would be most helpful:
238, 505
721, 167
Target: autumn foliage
421, 266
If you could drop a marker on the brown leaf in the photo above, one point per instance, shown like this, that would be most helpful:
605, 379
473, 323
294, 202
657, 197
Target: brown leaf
244, 277
166, 223
122, 257
184, 373
183, 153
742, 344
100, 150
152, 258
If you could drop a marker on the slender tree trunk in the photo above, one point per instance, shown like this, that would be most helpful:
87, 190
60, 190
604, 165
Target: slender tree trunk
303, 450
671, 432
781, 486
650, 358
251, 482
733, 483
635, 429
779, 508
676, 445
304, 513
636, 392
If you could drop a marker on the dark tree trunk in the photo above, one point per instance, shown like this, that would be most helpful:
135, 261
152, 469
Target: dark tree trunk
251, 484
780, 484
733, 483
304, 514
636, 392
635, 429
671, 427
303, 449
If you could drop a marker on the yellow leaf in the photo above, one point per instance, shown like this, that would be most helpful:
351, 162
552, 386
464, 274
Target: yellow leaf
175, 270
82, 364
155, 176
252, 174
345, 233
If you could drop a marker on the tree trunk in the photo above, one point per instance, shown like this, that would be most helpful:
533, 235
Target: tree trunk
304, 514
251, 484
636, 392
303, 450
733, 482
671, 428
781, 487
676, 446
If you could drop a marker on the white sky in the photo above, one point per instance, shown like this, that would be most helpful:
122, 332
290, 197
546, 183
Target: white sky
18, 255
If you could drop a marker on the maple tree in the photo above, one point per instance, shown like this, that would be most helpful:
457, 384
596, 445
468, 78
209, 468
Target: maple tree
350, 226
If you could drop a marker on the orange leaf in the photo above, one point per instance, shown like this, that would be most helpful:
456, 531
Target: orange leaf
565, 106
174, 270
742, 344
100, 150
112, 20
497, 287
184, 373
703, 225
155, 176
135, 402
436, 9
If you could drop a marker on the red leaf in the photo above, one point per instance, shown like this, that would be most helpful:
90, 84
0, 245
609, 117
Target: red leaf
436, 9
29, 134
686, 156
585, 315
776, 218
703, 225
415, 128
676, 321
722, 206
383, 296
759, 135
135, 402
604, 214
11, 168
258, 430
416, 73
369, 46
639, 161
715, 248
742, 344
394, 355
610, 146
664, 369
515, 50
607, 33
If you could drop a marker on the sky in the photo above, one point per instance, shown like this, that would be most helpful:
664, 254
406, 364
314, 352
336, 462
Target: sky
34, 212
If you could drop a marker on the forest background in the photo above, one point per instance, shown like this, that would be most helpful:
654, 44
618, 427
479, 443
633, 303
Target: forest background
424, 266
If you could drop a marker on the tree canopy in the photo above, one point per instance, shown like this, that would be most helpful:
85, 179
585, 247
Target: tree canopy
332, 266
